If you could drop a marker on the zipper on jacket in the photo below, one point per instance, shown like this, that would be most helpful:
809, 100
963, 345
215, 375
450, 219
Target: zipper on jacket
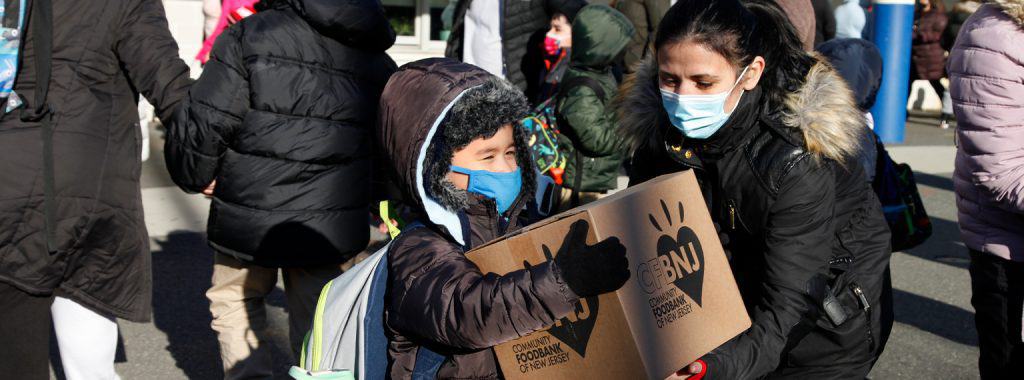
860, 295
732, 216
866, 306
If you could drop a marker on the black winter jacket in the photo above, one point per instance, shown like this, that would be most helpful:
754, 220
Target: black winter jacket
104, 54
436, 297
523, 25
282, 118
788, 193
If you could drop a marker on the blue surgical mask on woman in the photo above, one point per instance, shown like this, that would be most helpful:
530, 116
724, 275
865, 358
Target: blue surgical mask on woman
698, 116
502, 187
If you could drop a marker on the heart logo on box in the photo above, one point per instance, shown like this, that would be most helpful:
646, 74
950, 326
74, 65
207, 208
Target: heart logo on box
681, 255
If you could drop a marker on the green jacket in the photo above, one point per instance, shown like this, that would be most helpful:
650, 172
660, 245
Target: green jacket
599, 33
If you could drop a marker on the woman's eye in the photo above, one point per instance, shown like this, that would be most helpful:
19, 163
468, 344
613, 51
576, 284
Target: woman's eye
704, 85
488, 158
510, 153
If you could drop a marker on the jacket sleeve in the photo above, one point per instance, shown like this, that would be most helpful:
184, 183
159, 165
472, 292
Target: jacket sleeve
638, 14
442, 297
211, 113
799, 238
592, 126
986, 100
150, 58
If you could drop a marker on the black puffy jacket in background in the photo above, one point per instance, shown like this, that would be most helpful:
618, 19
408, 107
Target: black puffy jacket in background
523, 23
787, 190
105, 54
282, 119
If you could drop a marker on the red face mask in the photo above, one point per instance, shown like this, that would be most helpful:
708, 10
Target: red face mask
551, 45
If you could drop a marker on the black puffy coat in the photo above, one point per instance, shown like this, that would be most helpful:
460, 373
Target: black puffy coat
282, 118
789, 194
104, 54
523, 21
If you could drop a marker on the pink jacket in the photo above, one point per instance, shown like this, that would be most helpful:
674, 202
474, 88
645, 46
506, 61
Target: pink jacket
227, 6
986, 73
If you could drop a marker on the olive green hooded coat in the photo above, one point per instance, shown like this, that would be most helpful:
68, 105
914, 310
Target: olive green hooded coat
599, 34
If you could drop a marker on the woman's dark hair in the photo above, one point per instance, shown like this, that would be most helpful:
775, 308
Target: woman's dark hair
740, 31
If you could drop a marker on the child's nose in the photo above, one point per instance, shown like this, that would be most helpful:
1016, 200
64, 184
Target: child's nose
506, 165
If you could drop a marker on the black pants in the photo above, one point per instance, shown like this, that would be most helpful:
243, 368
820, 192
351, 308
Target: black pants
997, 287
24, 334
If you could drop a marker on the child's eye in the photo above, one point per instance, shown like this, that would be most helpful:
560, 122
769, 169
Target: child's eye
490, 157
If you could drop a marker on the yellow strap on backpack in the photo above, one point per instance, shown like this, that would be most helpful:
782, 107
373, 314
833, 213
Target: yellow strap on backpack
385, 215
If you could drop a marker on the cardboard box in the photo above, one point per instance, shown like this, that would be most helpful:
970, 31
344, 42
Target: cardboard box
681, 300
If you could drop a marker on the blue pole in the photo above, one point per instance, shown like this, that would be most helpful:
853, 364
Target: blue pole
893, 27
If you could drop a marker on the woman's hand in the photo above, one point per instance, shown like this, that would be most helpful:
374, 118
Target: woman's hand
694, 371
208, 191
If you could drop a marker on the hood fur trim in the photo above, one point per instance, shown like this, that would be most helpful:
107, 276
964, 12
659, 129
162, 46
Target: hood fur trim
968, 6
478, 113
823, 109
642, 119
1012, 8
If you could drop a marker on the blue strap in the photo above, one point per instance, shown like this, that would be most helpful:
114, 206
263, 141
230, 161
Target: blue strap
428, 363
376, 343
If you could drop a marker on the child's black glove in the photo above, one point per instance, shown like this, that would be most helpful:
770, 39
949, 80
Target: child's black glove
590, 270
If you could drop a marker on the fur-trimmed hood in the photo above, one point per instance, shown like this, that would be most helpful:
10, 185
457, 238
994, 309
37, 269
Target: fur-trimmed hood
430, 108
1012, 8
966, 7
823, 109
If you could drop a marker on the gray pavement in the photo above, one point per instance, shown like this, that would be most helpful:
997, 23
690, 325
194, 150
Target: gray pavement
933, 337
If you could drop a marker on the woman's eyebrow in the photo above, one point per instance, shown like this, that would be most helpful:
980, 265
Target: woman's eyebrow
706, 77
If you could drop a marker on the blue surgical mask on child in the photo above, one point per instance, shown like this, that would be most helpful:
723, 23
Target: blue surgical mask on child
698, 116
502, 187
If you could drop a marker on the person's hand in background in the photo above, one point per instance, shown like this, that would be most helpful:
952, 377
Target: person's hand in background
208, 191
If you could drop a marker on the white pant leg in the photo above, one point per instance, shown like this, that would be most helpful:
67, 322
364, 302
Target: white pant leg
87, 341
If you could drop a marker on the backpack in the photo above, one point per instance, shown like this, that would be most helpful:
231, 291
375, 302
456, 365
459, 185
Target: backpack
904, 211
542, 132
346, 340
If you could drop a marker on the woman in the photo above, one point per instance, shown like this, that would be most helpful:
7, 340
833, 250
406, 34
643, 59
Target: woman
927, 57
772, 135
985, 67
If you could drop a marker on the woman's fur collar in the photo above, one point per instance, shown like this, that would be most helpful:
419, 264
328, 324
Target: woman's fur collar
823, 110
1012, 8
966, 6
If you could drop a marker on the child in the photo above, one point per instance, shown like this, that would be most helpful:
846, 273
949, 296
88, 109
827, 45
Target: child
557, 48
460, 162
281, 120
599, 35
